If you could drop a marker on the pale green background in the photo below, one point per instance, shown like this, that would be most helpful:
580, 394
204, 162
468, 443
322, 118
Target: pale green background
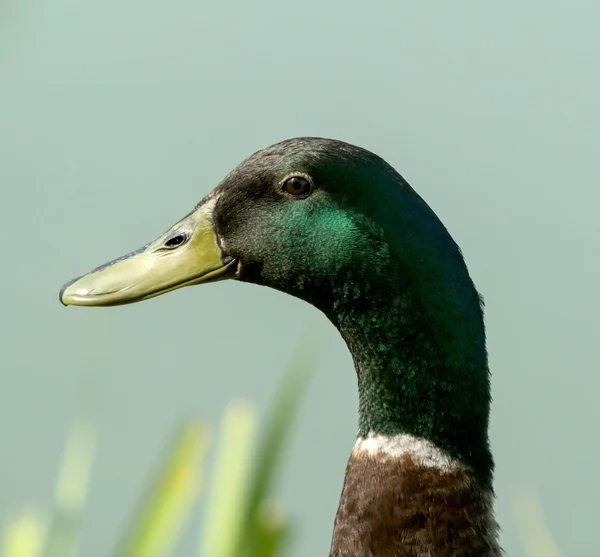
116, 117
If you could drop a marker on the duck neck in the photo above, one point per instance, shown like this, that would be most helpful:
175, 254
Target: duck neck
419, 480
422, 371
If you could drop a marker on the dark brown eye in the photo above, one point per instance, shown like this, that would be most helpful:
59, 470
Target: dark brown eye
298, 186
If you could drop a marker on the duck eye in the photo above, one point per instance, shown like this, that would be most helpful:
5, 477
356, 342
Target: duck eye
297, 186
176, 241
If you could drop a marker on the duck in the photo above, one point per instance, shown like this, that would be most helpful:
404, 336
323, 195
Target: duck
337, 226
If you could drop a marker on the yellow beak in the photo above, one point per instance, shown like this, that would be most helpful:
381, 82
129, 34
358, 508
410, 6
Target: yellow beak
188, 253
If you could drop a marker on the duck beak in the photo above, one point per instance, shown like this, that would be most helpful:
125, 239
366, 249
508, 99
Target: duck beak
188, 253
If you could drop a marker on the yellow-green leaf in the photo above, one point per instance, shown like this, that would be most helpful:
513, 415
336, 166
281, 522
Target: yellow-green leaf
229, 482
161, 516
23, 535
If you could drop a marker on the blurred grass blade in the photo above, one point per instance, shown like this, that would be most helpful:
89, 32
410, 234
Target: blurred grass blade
534, 532
288, 399
71, 491
271, 531
229, 482
23, 536
74, 474
166, 506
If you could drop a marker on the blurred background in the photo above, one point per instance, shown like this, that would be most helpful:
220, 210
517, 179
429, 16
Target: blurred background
117, 117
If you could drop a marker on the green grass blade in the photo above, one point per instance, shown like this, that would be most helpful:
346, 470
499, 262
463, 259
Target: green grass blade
289, 397
166, 506
271, 531
229, 482
74, 475
71, 491
534, 532
24, 535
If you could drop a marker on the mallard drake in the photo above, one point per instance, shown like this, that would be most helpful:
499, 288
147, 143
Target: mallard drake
335, 225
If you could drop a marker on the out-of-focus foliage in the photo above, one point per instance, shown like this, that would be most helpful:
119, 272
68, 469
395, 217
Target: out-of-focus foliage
535, 534
167, 504
240, 518
23, 535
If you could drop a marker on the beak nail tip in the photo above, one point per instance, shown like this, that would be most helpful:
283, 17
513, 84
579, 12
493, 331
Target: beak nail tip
61, 296
63, 290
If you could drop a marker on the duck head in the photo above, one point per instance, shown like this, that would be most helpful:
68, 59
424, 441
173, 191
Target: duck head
307, 216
